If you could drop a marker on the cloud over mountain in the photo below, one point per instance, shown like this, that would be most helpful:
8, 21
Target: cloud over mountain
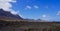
6, 5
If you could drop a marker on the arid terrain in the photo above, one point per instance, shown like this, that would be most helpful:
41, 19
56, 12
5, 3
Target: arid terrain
29, 26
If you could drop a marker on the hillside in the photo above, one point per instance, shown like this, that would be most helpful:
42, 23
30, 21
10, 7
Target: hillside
8, 15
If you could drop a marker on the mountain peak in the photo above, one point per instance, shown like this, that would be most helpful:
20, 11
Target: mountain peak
8, 14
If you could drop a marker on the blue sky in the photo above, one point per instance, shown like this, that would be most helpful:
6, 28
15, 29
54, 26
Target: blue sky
38, 9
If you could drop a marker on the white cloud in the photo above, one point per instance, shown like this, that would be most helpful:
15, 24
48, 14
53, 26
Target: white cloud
14, 12
44, 16
58, 13
35, 6
7, 0
28, 7
6, 5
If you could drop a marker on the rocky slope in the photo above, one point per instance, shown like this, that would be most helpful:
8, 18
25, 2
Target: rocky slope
7, 14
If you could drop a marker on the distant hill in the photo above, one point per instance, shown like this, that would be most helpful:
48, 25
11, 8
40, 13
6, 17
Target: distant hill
7, 14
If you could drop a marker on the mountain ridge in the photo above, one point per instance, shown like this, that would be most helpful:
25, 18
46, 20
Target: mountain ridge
7, 14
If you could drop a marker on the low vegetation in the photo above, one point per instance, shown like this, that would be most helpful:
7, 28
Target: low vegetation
28, 26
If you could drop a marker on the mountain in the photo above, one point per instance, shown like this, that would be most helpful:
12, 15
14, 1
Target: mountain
7, 14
